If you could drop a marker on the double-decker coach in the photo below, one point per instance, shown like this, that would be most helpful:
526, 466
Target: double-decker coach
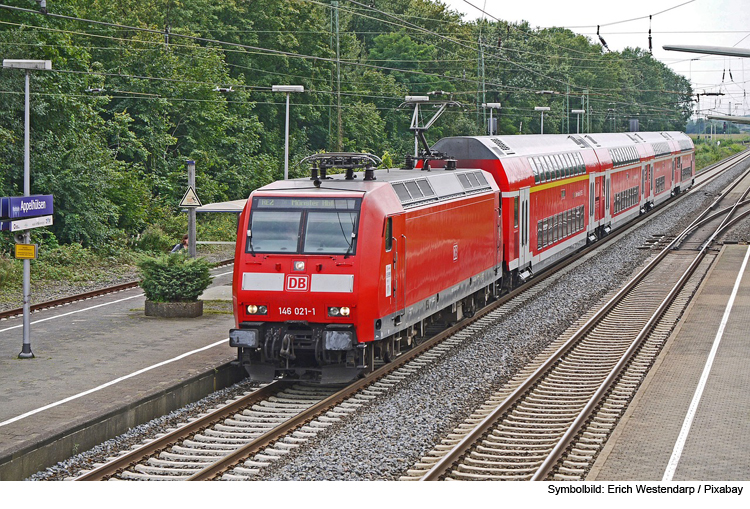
560, 192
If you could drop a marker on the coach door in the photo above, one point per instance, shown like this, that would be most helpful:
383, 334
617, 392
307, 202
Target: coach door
398, 273
524, 257
599, 200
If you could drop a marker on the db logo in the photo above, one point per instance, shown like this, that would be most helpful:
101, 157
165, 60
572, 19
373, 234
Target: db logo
455, 252
297, 283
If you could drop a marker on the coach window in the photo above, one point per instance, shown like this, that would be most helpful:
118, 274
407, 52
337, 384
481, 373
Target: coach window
515, 212
534, 170
539, 235
549, 171
388, 234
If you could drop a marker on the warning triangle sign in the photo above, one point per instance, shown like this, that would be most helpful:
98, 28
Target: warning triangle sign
190, 199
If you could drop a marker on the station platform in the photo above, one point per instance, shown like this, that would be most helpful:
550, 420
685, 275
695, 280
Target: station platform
690, 420
101, 367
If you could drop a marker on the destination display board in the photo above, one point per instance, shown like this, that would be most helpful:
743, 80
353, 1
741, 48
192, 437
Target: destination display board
307, 203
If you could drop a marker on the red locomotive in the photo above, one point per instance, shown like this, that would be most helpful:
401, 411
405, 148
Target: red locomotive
334, 272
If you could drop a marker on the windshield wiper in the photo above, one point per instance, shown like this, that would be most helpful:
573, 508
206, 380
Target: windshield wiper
351, 245
250, 242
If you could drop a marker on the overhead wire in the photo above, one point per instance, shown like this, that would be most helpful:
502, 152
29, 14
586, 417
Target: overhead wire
271, 51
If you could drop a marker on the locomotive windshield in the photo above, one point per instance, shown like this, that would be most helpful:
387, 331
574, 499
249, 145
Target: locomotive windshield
303, 226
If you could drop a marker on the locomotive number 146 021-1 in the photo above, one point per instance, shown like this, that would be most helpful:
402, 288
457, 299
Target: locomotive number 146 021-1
297, 311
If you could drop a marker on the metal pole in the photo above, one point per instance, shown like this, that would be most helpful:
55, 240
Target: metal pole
192, 231
286, 141
26, 349
542, 122
491, 133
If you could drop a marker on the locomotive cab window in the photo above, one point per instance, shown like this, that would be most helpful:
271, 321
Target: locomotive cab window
303, 225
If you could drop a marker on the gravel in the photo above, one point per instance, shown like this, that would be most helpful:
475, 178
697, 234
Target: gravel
136, 435
385, 438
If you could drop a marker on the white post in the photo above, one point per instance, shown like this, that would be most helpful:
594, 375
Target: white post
286, 140
287, 89
26, 352
192, 230
27, 65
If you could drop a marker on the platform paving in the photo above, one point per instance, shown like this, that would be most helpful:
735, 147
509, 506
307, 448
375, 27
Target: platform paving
717, 447
86, 345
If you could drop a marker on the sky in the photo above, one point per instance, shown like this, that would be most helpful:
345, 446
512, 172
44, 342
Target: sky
674, 22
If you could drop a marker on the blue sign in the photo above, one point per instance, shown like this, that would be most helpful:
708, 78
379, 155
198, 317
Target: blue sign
18, 207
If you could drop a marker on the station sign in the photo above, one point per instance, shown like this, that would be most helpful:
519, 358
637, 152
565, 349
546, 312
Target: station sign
19, 207
27, 251
26, 224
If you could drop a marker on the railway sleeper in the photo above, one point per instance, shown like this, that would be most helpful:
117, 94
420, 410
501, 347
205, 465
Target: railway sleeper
496, 463
174, 472
203, 439
508, 457
512, 449
189, 457
489, 470
208, 446
193, 465
258, 417
137, 476
256, 462
243, 472
572, 471
484, 477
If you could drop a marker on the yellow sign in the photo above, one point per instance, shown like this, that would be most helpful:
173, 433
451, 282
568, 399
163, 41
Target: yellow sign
26, 251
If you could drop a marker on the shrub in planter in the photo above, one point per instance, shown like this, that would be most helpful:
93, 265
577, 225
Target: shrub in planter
174, 279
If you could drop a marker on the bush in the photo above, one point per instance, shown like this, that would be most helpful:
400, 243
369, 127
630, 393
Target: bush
155, 240
10, 272
174, 278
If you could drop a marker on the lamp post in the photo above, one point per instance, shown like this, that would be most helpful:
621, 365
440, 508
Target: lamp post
287, 89
578, 114
27, 66
542, 109
491, 106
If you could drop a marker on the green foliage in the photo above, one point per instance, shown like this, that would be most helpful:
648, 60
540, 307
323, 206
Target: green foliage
10, 272
708, 152
115, 160
154, 240
174, 278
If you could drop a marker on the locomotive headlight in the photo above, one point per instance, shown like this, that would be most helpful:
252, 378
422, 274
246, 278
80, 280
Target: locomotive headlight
299, 266
339, 311
252, 309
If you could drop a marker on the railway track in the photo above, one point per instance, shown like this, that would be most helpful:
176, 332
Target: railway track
550, 422
10, 313
252, 450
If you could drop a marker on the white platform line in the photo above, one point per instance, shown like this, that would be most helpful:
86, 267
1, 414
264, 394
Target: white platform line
86, 309
73, 312
113, 382
682, 438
